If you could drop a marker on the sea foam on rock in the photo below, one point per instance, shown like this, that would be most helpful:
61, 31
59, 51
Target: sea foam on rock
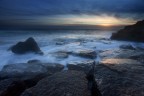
29, 45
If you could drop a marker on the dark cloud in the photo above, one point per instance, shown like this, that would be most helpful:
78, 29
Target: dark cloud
118, 8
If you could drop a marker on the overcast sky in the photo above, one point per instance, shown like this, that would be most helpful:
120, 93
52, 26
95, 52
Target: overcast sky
70, 11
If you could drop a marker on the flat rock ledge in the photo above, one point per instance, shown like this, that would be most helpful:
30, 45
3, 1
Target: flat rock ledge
66, 83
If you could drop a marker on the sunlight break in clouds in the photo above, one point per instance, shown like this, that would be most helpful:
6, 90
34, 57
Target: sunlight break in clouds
102, 20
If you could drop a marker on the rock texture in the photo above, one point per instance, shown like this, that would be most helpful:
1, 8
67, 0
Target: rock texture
116, 78
66, 83
131, 33
29, 45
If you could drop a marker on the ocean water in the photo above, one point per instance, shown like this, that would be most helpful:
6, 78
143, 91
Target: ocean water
56, 40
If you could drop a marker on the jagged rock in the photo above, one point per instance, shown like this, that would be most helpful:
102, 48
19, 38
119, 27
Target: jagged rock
81, 65
15, 86
29, 45
86, 53
66, 83
131, 33
28, 71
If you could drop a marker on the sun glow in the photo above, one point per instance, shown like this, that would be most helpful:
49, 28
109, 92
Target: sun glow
101, 20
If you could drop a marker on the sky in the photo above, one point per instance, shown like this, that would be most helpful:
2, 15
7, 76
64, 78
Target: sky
71, 12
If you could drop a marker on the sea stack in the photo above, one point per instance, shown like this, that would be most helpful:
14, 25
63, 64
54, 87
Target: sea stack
29, 45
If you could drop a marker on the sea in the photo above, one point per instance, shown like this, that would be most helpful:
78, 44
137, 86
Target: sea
52, 41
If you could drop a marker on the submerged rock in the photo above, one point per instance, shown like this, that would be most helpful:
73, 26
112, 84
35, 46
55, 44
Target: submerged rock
61, 54
29, 45
86, 53
131, 33
66, 83
127, 47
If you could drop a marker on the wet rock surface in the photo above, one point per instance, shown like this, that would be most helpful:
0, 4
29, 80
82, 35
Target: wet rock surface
29, 45
123, 54
66, 83
85, 53
120, 79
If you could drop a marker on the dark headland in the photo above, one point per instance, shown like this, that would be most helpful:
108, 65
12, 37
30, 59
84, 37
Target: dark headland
131, 33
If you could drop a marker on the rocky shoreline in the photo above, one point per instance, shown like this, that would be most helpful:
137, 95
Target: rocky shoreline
119, 73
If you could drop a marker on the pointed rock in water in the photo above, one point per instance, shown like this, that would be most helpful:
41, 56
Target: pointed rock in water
66, 83
131, 33
29, 45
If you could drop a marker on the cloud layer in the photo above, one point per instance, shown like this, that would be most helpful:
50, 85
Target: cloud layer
21, 10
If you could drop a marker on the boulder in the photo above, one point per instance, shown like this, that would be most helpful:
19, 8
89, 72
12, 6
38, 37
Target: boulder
29, 45
131, 33
66, 83
28, 71
86, 53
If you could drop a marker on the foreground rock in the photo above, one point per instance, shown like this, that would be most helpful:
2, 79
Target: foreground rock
66, 83
131, 33
120, 77
86, 53
29, 45
27, 71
